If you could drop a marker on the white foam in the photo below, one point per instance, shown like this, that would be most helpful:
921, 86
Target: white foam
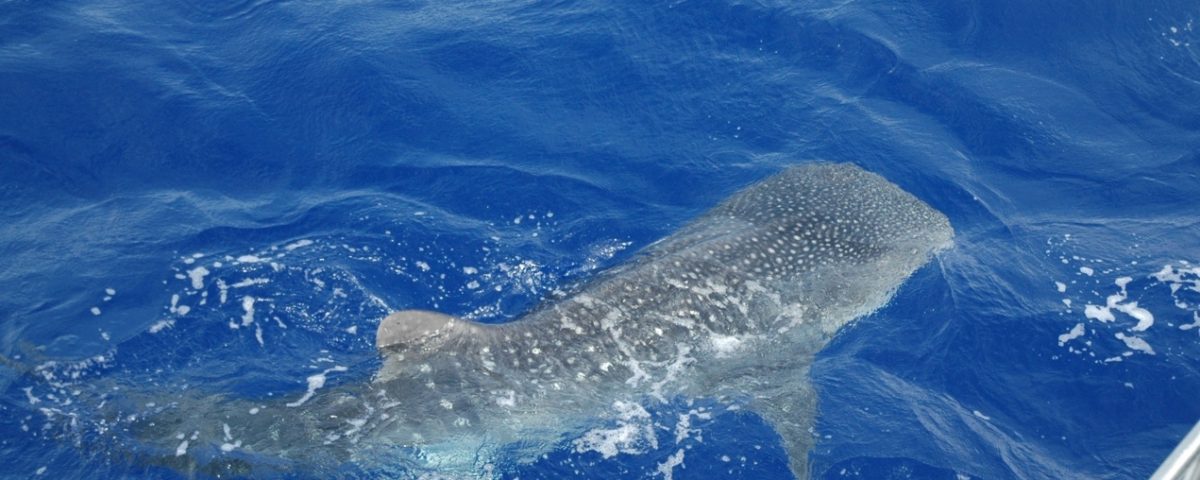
1118, 302
181, 450
249, 282
1102, 314
33, 399
230, 444
470, 270
724, 345
161, 325
980, 415
249, 259
1086, 271
95, 311
509, 399
683, 428
248, 308
315, 382
1062, 287
40, 471
1075, 332
423, 266
110, 291
1135, 343
667, 468
632, 435
1180, 278
298, 244
1144, 317
197, 275
1195, 322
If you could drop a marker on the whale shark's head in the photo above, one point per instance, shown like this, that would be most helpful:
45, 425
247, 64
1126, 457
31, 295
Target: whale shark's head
832, 239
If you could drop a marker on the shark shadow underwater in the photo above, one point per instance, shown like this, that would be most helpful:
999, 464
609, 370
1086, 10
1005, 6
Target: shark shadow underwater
733, 306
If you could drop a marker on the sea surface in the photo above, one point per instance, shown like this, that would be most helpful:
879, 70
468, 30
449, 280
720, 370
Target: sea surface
228, 197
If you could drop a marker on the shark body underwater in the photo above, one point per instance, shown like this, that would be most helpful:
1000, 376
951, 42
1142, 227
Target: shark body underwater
733, 306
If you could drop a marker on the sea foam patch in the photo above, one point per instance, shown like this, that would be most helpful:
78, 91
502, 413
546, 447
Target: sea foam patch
1125, 311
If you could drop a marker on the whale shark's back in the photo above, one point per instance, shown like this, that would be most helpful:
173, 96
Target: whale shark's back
842, 197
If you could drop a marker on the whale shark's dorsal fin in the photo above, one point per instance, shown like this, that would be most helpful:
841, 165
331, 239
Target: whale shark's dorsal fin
421, 329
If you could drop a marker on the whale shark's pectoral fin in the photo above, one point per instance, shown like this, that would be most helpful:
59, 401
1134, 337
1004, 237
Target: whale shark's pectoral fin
791, 410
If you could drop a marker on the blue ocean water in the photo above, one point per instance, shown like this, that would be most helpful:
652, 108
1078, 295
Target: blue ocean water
161, 163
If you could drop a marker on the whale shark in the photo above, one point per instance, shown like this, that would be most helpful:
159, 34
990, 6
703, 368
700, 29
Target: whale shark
733, 306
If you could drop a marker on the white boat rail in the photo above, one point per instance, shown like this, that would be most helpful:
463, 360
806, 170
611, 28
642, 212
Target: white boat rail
1184, 462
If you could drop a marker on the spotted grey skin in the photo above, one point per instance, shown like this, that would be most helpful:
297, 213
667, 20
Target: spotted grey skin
733, 306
